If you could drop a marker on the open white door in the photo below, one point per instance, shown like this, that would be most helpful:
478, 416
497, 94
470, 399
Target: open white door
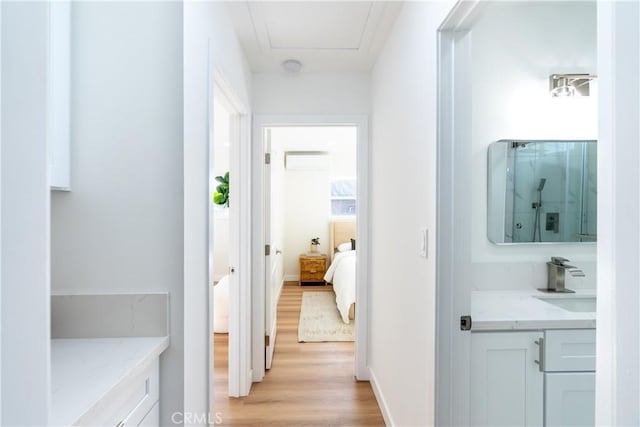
274, 268
269, 264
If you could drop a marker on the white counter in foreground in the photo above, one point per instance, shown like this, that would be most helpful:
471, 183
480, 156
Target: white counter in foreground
521, 310
86, 372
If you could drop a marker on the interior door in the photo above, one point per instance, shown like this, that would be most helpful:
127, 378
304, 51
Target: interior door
270, 265
274, 237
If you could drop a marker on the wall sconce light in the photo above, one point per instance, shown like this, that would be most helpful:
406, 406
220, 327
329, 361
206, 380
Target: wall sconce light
561, 85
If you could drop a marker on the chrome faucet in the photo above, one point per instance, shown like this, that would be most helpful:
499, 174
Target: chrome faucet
556, 269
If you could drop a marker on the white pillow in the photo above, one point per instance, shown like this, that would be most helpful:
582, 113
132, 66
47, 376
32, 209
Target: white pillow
344, 247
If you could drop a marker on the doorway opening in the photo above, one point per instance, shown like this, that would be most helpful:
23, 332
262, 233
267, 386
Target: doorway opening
476, 344
228, 244
223, 242
312, 167
310, 215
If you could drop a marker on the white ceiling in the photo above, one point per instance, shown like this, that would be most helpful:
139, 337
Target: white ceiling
326, 36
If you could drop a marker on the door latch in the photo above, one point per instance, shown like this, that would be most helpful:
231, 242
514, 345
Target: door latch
465, 323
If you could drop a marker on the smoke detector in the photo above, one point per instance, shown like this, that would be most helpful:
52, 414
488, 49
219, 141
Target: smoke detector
292, 65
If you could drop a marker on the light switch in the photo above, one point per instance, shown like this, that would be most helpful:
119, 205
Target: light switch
424, 242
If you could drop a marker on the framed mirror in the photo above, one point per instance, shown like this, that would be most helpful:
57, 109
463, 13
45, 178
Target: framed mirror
542, 192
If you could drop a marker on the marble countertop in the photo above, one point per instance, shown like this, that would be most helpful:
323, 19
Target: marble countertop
521, 310
83, 371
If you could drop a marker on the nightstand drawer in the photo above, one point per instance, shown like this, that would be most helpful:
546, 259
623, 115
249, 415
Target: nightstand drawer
312, 266
311, 277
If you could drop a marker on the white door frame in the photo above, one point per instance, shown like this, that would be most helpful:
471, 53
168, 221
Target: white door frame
617, 338
362, 232
453, 293
239, 251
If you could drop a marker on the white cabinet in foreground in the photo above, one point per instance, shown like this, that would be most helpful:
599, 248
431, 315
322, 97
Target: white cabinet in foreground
533, 378
506, 383
133, 402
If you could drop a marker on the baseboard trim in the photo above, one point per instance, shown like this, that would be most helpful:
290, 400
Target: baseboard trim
292, 278
382, 403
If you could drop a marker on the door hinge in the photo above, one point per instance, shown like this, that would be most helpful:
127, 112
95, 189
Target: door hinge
267, 249
267, 158
465, 323
266, 340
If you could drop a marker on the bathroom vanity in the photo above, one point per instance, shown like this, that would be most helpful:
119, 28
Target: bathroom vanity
105, 358
106, 381
532, 358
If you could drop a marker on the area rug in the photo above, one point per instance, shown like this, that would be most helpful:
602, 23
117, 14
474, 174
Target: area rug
320, 320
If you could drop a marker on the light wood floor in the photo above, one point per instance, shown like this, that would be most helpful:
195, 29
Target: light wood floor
309, 384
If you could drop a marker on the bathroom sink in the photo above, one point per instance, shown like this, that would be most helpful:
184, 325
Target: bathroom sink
575, 304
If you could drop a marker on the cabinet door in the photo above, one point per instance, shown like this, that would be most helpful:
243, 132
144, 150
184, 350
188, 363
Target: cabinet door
152, 419
506, 382
570, 399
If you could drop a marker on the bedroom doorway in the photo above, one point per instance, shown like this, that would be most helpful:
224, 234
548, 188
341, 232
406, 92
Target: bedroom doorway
310, 196
312, 186
228, 244
221, 244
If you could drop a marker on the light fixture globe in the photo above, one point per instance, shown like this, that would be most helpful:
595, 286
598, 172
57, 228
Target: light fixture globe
563, 88
569, 85
292, 65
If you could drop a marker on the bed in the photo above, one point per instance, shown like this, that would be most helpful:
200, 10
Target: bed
342, 271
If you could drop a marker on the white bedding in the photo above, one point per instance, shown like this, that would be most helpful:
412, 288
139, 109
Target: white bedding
342, 274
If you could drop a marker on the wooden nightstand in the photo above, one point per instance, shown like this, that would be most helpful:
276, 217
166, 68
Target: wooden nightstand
312, 268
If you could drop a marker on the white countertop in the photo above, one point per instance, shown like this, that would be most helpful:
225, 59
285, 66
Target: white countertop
83, 371
521, 310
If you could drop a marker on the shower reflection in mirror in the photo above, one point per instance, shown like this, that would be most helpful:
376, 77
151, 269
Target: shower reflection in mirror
542, 191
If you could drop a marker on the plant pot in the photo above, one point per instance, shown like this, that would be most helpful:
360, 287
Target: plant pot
314, 248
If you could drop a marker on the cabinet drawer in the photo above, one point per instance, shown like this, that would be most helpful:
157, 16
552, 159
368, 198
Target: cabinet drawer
312, 266
570, 350
312, 277
129, 402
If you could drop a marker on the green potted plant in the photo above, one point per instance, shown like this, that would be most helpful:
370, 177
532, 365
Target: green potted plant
221, 195
315, 242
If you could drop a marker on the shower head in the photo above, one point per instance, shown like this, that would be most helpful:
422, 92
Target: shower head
542, 182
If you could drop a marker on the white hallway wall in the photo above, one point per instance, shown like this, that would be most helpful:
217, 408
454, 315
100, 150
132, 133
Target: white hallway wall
25, 215
300, 94
209, 43
403, 168
120, 229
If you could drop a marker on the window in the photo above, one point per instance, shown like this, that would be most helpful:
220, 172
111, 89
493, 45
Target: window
343, 196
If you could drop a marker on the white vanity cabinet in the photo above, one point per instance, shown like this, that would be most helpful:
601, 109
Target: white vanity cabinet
569, 377
533, 378
133, 402
506, 382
